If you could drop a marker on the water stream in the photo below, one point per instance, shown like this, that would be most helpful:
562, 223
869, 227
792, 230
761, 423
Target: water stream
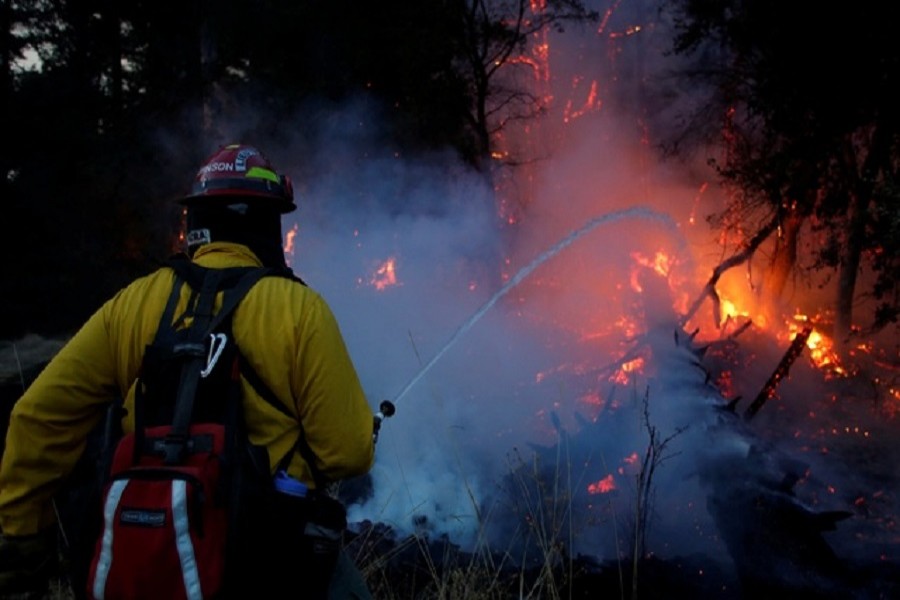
634, 212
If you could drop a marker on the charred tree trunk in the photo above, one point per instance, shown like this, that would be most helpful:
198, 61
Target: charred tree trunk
476, 47
865, 171
785, 256
849, 269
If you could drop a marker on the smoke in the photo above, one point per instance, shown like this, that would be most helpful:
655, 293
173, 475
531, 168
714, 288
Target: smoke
443, 459
519, 355
436, 222
520, 367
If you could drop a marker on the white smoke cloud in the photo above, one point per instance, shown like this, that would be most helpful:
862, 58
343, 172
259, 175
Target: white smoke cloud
445, 454
526, 372
436, 222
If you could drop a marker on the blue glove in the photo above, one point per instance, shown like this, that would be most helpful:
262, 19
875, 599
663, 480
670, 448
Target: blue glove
27, 562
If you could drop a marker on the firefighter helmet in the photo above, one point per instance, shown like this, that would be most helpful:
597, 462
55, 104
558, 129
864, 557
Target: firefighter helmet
238, 170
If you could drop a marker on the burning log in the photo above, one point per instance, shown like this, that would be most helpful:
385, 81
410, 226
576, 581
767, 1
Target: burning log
741, 257
780, 372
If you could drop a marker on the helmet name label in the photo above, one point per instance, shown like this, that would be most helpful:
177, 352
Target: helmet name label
198, 237
215, 167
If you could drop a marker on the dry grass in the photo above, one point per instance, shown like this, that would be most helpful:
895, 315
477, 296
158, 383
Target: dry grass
16, 357
418, 567
426, 569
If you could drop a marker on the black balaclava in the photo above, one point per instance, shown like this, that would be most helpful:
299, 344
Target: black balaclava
248, 223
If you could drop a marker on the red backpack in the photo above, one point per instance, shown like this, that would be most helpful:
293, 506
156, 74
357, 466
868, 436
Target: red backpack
187, 493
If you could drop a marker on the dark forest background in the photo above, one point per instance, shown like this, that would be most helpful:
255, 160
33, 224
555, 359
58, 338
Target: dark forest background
100, 140
109, 126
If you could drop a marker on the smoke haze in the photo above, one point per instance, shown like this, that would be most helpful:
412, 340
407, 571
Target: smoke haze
536, 370
530, 366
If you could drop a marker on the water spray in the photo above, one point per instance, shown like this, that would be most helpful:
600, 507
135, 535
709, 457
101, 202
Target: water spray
387, 407
525, 271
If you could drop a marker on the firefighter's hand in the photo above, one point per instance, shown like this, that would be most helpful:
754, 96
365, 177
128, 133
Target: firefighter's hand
27, 563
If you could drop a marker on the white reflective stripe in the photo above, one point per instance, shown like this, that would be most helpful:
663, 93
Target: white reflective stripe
104, 561
183, 541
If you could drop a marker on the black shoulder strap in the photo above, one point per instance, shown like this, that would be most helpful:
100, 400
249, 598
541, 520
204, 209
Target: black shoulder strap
301, 445
195, 348
197, 278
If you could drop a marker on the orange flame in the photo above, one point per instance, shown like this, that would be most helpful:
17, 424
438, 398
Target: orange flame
606, 17
821, 348
289, 240
822, 353
621, 376
602, 486
592, 103
385, 276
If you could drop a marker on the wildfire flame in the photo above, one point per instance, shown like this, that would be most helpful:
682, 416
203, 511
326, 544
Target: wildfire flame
602, 486
608, 483
385, 275
621, 376
661, 263
289, 240
607, 16
821, 349
591, 103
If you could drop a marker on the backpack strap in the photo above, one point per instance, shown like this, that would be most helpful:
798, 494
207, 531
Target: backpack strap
194, 350
201, 358
196, 277
260, 386
301, 445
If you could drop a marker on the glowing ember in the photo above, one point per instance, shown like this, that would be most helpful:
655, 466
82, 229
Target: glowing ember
619, 377
628, 31
592, 399
628, 326
385, 275
632, 459
606, 17
692, 219
592, 103
603, 486
633, 366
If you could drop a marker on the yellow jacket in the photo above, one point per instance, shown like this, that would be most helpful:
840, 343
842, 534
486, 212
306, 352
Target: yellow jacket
287, 333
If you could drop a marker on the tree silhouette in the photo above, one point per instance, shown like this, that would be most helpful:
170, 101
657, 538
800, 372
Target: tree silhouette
493, 35
808, 110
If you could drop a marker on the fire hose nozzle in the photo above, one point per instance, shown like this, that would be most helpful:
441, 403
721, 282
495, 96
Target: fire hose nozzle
385, 409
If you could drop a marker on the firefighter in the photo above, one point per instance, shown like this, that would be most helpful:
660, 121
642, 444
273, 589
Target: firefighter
286, 331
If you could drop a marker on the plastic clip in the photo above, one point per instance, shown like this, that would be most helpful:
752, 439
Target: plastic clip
216, 345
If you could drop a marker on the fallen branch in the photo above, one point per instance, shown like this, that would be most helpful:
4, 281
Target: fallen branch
780, 372
743, 256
